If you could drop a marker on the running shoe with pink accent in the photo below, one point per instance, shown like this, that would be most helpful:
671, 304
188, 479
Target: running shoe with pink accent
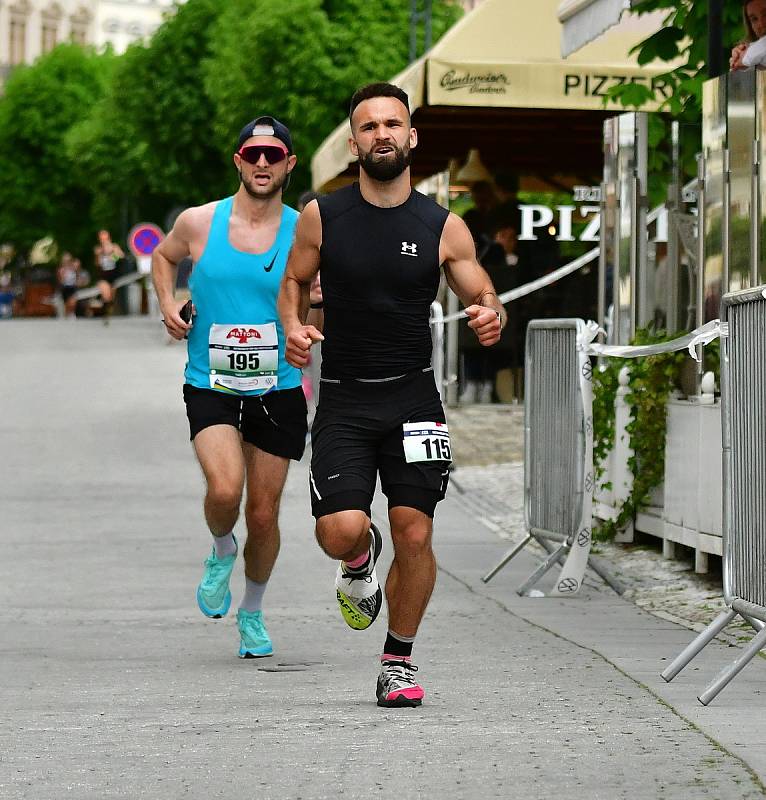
397, 687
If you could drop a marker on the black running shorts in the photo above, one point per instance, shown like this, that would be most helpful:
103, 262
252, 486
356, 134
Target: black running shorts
110, 276
274, 422
357, 435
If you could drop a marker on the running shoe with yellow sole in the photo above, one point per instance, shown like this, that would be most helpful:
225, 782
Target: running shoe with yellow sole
359, 595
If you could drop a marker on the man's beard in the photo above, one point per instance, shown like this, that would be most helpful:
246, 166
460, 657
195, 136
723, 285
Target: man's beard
263, 192
386, 169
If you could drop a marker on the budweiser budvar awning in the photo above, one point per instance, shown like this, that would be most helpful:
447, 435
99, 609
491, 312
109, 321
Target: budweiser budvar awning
506, 54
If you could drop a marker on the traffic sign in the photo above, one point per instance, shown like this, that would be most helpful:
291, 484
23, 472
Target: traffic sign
144, 238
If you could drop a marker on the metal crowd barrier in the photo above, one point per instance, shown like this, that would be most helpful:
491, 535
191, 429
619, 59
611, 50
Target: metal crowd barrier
743, 398
93, 291
558, 456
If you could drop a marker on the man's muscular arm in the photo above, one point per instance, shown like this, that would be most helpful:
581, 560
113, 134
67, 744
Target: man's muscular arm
470, 282
293, 301
165, 258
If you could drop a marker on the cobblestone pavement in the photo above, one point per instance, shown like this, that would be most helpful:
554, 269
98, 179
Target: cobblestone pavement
488, 444
483, 435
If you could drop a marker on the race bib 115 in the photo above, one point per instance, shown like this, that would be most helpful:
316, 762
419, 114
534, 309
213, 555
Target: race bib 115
426, 441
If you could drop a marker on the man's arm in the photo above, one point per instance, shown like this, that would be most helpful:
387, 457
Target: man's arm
293, 301
165, 258
470, 282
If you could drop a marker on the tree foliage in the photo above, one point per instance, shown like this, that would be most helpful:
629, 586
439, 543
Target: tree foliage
263, 62
148, 145
39, 193
683, 38
91, 141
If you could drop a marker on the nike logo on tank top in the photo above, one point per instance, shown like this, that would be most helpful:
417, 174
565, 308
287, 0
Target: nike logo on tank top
380, 273
235, 297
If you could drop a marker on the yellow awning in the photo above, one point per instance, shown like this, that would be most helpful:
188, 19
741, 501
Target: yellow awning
505, 54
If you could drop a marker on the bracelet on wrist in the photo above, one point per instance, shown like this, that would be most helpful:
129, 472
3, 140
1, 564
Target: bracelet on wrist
320, 304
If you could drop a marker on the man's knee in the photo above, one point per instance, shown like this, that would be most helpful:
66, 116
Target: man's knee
224, 494
340, 535
411, 534
261, 516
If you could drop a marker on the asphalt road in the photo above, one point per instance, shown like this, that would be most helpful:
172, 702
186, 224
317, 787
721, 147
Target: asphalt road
113, 685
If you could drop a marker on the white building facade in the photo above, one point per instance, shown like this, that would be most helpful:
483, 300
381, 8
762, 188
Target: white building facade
31, 28
122, 22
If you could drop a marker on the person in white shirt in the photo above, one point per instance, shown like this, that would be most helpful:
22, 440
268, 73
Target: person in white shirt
752, 52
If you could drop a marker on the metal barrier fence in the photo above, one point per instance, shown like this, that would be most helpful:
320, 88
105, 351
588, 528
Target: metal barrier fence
93, 291
558, 454
743, 398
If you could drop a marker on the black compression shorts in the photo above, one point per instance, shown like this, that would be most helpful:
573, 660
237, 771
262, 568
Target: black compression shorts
357, 435
274, 422
108, 275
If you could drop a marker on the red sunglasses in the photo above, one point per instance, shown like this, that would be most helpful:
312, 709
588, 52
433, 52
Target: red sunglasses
272, 152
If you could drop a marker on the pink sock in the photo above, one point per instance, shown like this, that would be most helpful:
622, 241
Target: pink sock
358, 562
391, 657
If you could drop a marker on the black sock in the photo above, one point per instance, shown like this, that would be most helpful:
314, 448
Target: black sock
398, 645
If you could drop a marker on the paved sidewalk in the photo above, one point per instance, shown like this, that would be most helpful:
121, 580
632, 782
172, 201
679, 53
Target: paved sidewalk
114, 686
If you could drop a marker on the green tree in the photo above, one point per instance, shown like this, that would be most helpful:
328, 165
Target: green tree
39, 193
148, 146
682, 38
263, 62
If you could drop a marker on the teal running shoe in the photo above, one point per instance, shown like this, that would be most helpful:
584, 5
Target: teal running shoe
255, 641
213, 594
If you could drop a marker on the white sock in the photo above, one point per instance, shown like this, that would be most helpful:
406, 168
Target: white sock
253, 598
224, 545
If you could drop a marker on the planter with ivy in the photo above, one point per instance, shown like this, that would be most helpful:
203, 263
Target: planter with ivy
649, 385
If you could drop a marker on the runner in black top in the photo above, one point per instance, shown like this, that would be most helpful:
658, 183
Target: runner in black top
380, 247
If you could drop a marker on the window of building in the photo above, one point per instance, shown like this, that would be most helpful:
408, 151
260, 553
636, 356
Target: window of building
18, 40
49, 36
49, 27
79, 25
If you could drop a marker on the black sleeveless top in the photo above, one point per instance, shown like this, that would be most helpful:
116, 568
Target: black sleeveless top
380, 273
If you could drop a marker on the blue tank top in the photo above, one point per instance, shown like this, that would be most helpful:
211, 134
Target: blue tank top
231, 287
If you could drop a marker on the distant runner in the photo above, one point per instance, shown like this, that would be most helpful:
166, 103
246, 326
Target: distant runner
380, 246
106, 255
246, 408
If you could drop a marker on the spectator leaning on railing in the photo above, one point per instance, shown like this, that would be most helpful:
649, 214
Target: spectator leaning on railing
752, 52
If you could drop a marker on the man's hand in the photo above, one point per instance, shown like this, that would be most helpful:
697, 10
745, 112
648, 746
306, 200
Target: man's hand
174, 325
298, 344
485, 323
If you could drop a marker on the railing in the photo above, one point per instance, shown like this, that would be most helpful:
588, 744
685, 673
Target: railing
558, 455
743, 397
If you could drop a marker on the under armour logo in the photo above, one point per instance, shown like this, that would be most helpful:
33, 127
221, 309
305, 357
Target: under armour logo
409, 249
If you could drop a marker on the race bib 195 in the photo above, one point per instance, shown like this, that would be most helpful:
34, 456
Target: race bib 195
244, 358
426, 441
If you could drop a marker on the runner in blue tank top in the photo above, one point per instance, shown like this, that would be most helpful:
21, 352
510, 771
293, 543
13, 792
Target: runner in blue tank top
245, 404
